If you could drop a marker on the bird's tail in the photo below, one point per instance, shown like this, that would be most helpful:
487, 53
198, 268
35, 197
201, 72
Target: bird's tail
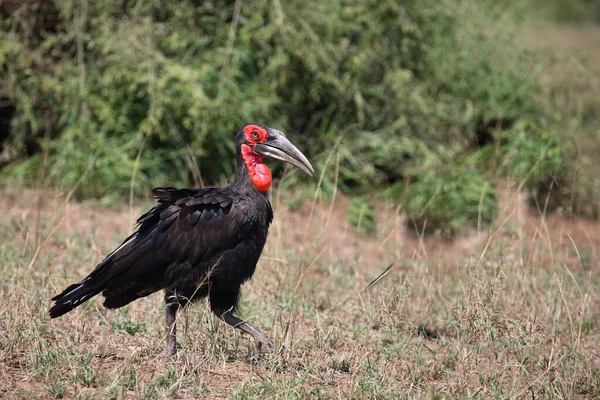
96, 282
72, 297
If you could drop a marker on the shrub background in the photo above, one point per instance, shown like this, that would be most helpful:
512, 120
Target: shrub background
116, 97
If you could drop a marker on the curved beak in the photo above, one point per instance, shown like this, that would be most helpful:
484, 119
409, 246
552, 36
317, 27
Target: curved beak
279, 147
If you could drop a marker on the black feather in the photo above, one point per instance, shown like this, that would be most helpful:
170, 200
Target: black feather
208, 237
193, 243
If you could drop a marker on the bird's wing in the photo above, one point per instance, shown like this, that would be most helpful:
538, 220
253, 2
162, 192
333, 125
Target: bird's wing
186, 226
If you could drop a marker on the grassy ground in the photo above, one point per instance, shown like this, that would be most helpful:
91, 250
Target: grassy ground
507, 312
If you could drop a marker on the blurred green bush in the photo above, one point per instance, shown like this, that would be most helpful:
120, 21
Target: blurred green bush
448, 204
119, 96
362, 215
562, 11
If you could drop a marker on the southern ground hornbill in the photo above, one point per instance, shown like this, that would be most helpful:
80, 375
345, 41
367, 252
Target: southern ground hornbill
196, 242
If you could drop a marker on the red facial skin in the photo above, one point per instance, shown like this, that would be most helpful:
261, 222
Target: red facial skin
260, 174
255, 134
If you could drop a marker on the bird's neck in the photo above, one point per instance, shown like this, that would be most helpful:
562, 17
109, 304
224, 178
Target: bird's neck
243, 184
250, 170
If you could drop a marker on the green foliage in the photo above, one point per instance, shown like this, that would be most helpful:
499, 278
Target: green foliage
571, 85
122, 73
128, 326
529, 153
450, 203
526, 152
58, 390
563, 11
120, 96
362, 215
535, 158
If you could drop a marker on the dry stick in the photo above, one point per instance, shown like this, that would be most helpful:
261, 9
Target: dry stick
317, 191
542, 375
301, 277
388, 237
276, 226
493, 236
335, 183
567, 267
575, 173
421, 239
479, 213
237, 8
198, 181
40, 184
564, 300
41, 245
133, 176
380, 277
6, 308
572, 276
131, 192
583, 303
65, 202
81, 15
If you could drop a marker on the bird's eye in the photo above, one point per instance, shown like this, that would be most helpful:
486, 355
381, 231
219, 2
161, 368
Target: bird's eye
255, 135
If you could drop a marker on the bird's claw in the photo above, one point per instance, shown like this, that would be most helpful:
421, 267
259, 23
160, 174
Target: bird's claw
266, 342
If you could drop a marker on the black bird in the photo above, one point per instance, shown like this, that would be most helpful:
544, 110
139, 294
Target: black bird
196, 242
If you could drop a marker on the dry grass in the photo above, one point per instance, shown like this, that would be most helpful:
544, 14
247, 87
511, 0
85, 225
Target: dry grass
509, 312
518, 321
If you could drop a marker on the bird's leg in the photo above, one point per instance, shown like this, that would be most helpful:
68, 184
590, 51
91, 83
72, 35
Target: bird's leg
171, 328
223, 304
261, 338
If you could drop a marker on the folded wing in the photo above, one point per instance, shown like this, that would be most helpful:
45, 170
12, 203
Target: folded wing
187, 226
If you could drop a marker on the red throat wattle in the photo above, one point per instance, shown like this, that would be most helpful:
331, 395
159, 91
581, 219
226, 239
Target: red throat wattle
260, 174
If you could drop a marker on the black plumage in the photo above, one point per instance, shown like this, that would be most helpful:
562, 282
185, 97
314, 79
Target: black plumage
195, 242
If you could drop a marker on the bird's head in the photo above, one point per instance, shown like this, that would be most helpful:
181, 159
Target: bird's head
256, 141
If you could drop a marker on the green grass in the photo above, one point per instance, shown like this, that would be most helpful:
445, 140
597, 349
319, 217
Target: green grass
513, 308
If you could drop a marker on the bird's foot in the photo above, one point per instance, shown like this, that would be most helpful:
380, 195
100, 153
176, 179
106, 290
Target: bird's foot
168, 352
264, 341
